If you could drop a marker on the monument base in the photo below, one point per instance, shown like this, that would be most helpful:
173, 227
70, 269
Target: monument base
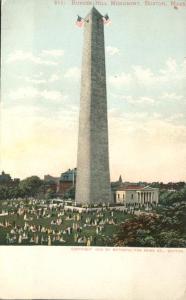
95, 208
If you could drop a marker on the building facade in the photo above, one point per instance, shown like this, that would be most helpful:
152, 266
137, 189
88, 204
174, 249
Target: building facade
63, 184
67, 181
137, 195
6, 180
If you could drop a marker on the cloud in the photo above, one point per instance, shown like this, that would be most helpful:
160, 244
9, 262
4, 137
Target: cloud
138, 100
112, 51
145, 77
53, 78
138, 75
151, 146
26, 93
171, 97
54, 53
175, 117
40, 59
148, 100
34, 140
149, 126
39, 80
121, 79
35, 81
172, 65
133, 99
73, 73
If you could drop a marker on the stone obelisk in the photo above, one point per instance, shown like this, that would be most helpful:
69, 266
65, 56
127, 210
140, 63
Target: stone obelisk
93, 176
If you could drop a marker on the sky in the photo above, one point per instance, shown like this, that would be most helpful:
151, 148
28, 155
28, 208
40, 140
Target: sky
146, 91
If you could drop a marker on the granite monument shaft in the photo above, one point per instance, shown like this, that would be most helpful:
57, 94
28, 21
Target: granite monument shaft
93, 176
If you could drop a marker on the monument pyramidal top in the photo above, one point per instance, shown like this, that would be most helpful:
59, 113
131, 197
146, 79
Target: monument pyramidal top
94, 11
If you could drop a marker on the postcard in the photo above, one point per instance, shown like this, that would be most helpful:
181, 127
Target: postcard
93, 143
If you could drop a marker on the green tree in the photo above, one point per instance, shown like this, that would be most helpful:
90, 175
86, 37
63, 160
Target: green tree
30, 186
50, 194
165, 230
4, 194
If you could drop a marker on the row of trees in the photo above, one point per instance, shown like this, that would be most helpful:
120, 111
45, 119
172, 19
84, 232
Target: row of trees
29, 187
170, 185
168, 198
161, 185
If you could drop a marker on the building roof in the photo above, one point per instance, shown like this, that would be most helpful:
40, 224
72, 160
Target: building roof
69, 175
135, 188
5, 177
51, 179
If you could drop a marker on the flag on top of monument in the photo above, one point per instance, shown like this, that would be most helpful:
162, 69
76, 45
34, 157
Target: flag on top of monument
106, 20
79, 22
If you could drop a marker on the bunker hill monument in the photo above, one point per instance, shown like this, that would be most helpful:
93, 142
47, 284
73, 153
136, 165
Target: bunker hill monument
93, 176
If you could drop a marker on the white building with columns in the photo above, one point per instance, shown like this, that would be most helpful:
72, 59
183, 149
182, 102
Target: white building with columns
136, 195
